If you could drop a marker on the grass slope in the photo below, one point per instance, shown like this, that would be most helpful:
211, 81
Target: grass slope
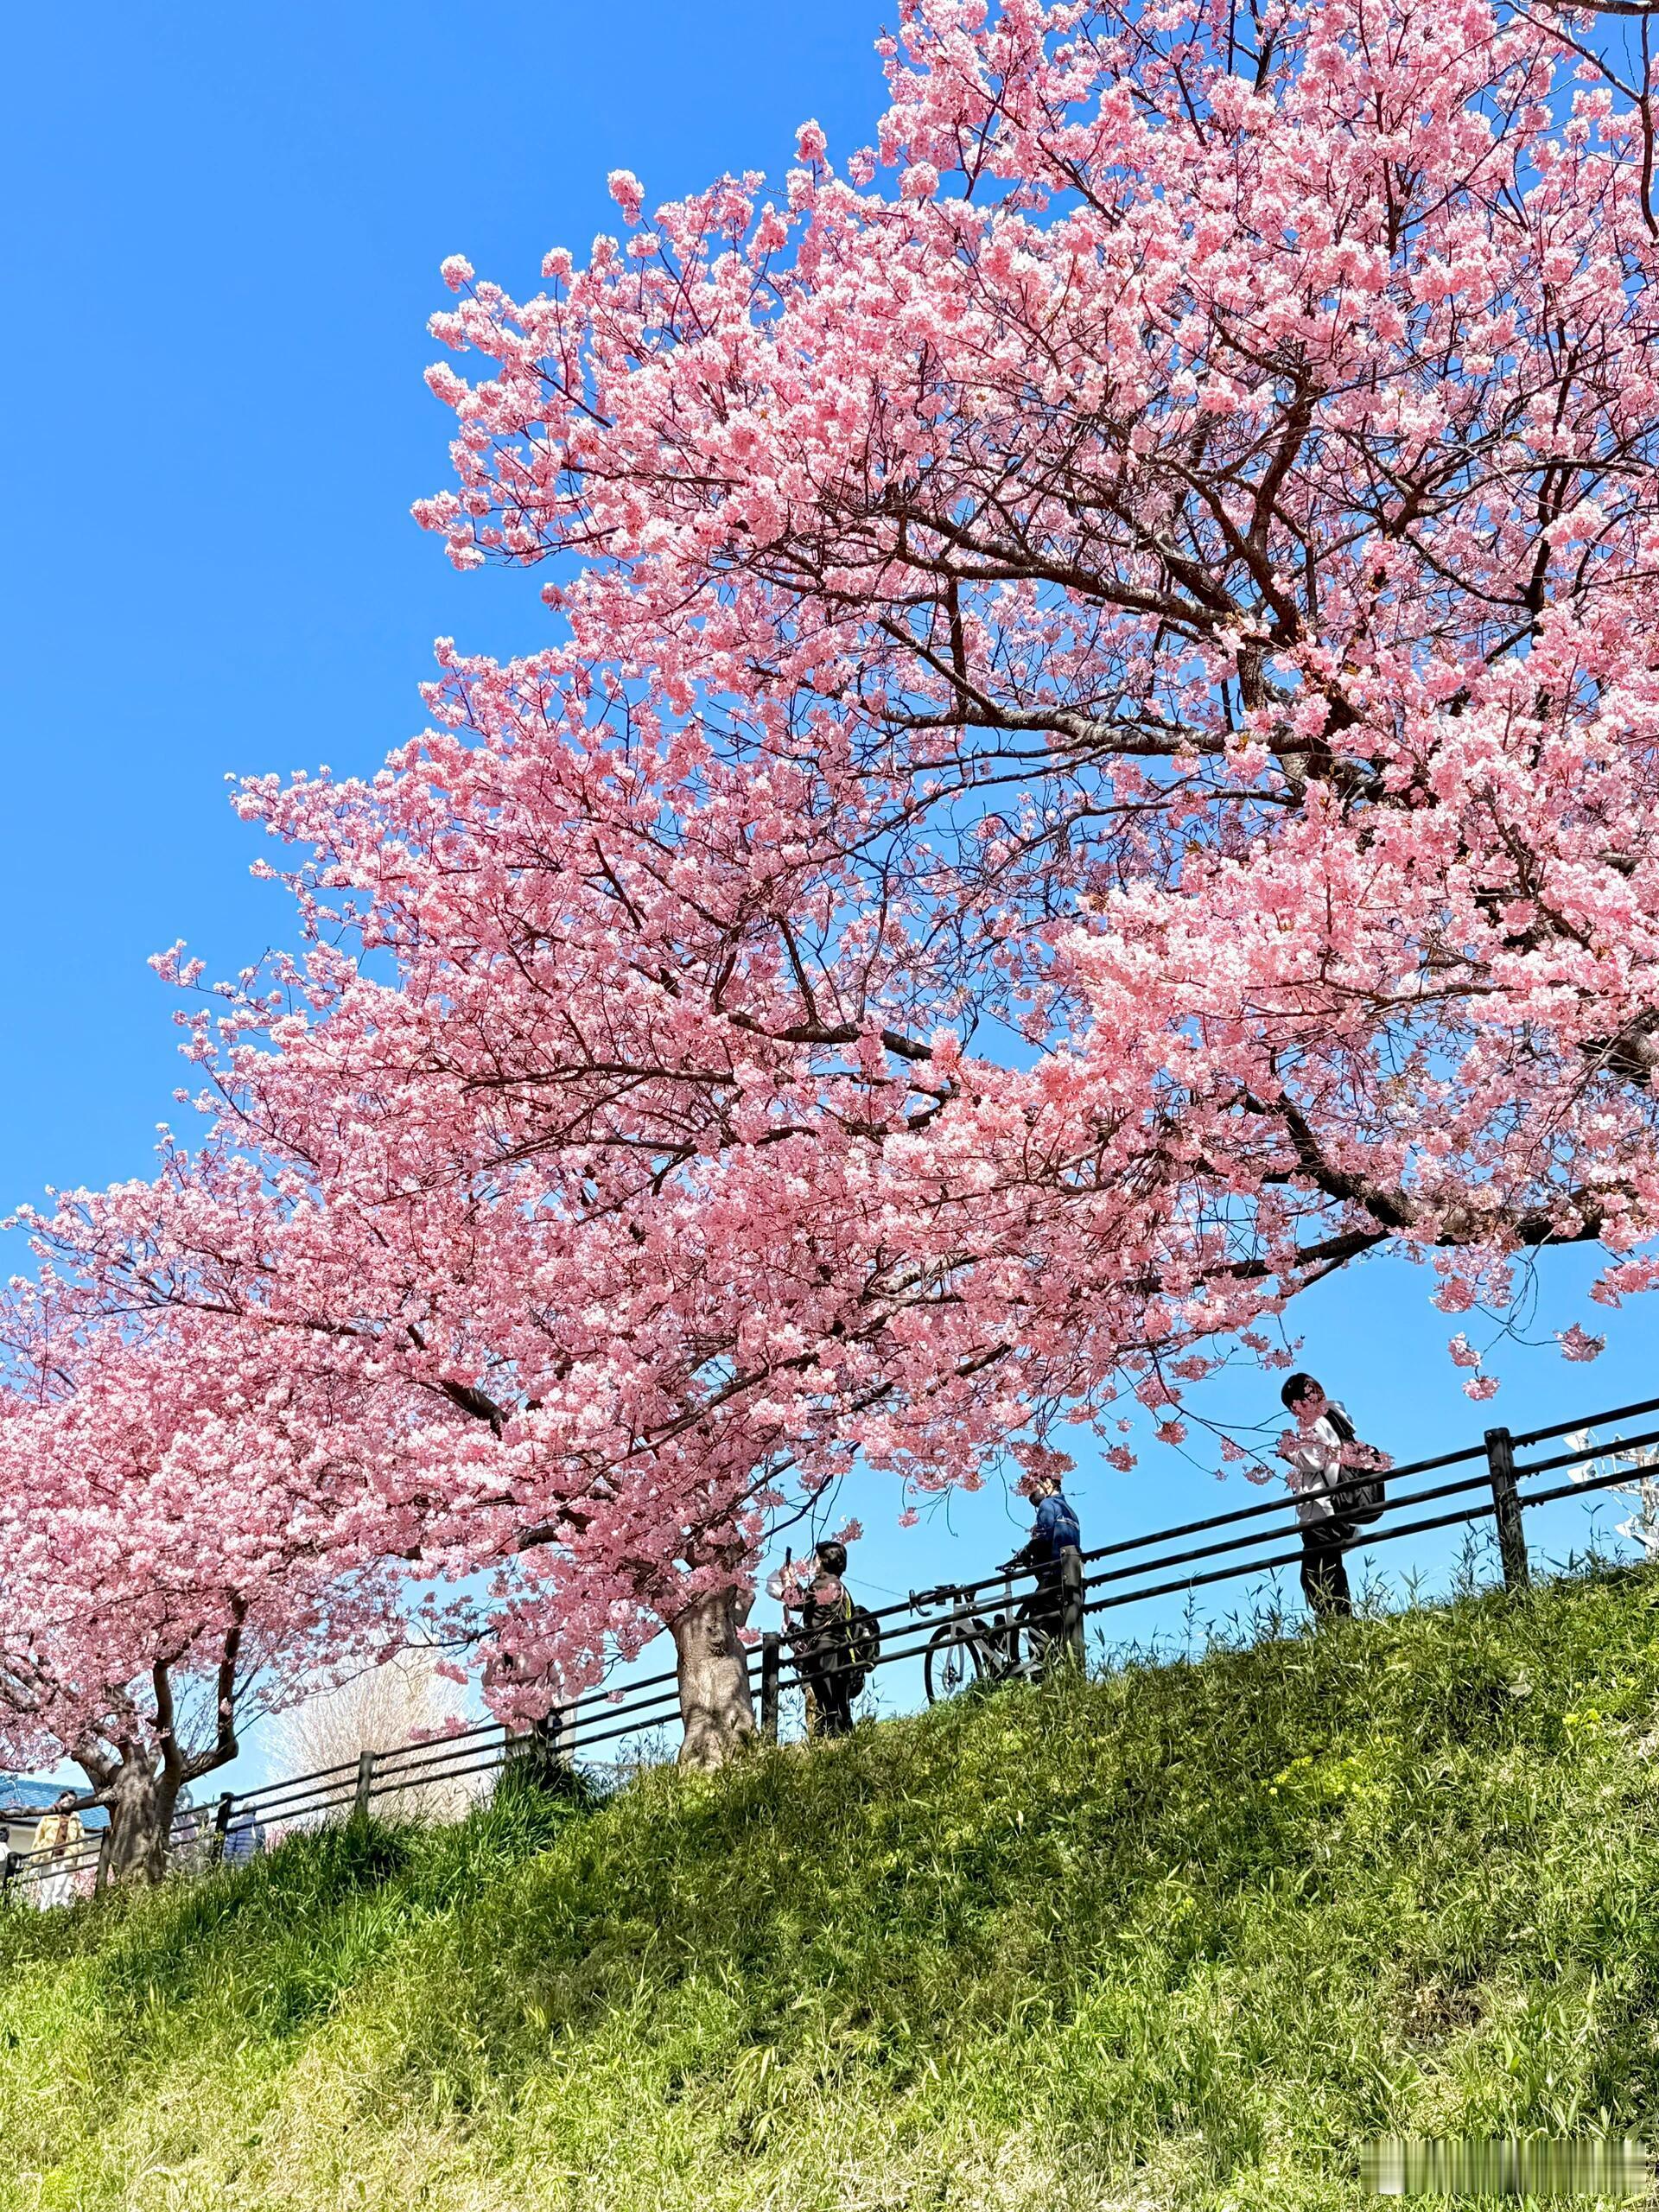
1181, 1937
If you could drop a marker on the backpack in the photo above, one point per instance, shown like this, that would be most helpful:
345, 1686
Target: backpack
863, 1643
1364, 1499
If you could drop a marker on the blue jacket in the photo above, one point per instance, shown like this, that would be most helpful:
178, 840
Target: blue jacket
1056, 1529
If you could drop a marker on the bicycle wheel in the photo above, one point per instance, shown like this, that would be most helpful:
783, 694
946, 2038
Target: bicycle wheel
1034, 1637
954, 1660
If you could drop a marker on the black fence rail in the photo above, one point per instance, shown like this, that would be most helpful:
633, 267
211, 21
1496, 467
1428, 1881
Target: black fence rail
1003, 1626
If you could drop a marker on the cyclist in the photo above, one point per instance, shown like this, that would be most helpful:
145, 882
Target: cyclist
1055, 1531
823, 1643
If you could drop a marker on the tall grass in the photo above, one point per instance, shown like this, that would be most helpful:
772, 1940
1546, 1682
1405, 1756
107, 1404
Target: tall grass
1182, 1936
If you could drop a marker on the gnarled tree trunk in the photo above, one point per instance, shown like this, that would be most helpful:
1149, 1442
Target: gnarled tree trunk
714, 1677
138, 1775
141, 1803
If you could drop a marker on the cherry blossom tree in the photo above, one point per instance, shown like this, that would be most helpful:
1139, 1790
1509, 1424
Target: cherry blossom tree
1097, 764
1193, 533
407, 1296
175, 1530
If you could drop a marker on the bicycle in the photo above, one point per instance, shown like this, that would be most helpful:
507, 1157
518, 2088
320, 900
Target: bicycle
970, 1649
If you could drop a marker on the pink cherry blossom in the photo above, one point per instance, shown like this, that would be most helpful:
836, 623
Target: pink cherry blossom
192, 1538
1093, 762
1577, 1342
628, 193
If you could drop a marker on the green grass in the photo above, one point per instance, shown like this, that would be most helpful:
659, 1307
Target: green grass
1182, 1936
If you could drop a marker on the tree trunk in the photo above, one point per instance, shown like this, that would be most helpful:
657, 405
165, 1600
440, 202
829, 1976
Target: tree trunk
141, 1805
714, 1678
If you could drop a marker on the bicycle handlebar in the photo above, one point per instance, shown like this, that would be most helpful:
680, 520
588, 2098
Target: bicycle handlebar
943, 1595
959, 1592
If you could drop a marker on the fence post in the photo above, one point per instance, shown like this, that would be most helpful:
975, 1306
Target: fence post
105, 1846
1511, 1537
548, 1733
1072, 1604
771, 1669
222, 1826
364, 1785
549, 1742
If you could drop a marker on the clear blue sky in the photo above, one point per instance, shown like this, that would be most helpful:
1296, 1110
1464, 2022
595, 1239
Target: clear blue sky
223, 228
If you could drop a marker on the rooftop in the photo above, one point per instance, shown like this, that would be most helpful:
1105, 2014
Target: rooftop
21, 1799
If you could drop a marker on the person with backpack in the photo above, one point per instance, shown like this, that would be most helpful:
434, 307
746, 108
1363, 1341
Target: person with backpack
1334, 1494
835, 1645
1055, 1531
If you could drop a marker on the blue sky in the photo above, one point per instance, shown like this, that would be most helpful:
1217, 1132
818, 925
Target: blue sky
224, 229
224, 233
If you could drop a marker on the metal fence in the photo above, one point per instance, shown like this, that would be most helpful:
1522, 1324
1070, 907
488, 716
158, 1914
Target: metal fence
954, 1632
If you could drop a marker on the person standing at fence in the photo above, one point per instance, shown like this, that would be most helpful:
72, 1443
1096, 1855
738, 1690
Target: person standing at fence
827, 1643
1055, 1531
1314, 1452
59, 1837
244, 1839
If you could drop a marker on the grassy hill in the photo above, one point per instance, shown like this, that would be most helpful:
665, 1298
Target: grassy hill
1181, 1937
